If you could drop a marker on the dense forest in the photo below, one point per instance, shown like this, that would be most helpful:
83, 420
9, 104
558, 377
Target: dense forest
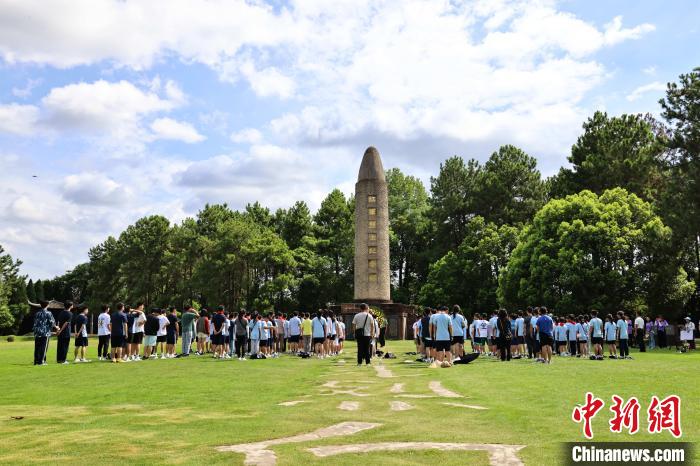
617, 229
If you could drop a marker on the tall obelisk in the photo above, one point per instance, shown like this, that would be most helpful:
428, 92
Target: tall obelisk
372, 279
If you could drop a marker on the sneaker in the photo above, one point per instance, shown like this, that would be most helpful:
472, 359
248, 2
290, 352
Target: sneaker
65, 362
77, 360
99, 358
85, 360
162, 356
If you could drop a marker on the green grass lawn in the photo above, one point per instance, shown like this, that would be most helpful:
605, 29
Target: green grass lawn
178, 411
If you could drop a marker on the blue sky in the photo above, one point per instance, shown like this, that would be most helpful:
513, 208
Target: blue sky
123, 109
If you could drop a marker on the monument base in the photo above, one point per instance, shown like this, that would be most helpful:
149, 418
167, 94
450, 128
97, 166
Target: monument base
399, 317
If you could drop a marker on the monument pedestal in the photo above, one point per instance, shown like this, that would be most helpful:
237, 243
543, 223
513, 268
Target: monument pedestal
398, 316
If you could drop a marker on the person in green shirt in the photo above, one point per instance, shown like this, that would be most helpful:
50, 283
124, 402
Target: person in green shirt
188, 328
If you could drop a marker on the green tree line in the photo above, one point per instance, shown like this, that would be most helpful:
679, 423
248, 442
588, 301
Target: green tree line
617, 229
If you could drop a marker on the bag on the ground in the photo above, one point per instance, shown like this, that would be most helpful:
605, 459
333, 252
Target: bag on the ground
389, 356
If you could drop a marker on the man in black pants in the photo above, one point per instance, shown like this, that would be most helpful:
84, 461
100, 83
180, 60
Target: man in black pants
44, 324
64, 323
639, 330
363, 329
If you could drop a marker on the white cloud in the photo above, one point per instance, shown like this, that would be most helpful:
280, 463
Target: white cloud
615, 33
650, 70
247, 135
18, 119
639, 92
102, 105
94, 189
167, 128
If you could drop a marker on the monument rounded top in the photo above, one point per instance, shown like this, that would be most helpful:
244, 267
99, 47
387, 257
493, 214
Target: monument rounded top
371, 167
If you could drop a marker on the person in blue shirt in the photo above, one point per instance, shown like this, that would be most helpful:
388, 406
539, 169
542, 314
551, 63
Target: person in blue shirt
44, 325
582, 335
441, 332
119, 332
545, 331
571, 328
459, 324
596, 333
623, 335
318, 332
519, 338
493, 334
611, 336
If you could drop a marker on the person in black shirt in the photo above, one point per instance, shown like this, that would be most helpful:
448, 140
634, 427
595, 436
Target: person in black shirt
217, 338
64, 333
173, 330
119, 333
150, 329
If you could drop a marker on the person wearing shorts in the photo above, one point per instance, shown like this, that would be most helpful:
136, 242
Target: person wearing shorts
162, 336
217, 337
256, 333
545, 330
318, 332
441, 332
294, 332
595, 329
137, 330
202, 332
172, 332
610, 330
119, 330
81, 336
424, 328
150, 334
459, 323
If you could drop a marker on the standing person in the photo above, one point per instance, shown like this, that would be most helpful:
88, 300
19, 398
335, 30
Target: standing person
104, 324
150, 333
623, 336
505, 335
188, 329
545, 329
363, 329
81, 335
217, 337
65, 318
137, 331
611, 336
561, 337
162, 335
529, 343
294, 332
44, 324
651, 331
596, 334
256, 334
441, 332
129, 316
119, 330
661, 325
519, 335
173, 331
425, 335
582, 335
459, 323
202, 332
689, 328
639, 331
318, 331
493, 334
240, 325
571, 334
306, 332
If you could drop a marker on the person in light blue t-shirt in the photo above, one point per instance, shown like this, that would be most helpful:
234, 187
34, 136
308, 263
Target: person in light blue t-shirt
459, 324
623, 335
493, 333
611, 336
441, 332
596, 332
318, 332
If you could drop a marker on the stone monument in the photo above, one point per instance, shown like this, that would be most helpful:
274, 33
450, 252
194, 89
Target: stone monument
372, 271
372, 276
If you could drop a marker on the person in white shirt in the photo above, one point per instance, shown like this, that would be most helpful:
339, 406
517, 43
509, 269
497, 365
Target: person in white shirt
137, 332
689, 327
639, 331
162, 334
104, 322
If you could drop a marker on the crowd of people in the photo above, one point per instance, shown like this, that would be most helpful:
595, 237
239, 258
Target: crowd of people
537, 334
129, 334
133, 334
